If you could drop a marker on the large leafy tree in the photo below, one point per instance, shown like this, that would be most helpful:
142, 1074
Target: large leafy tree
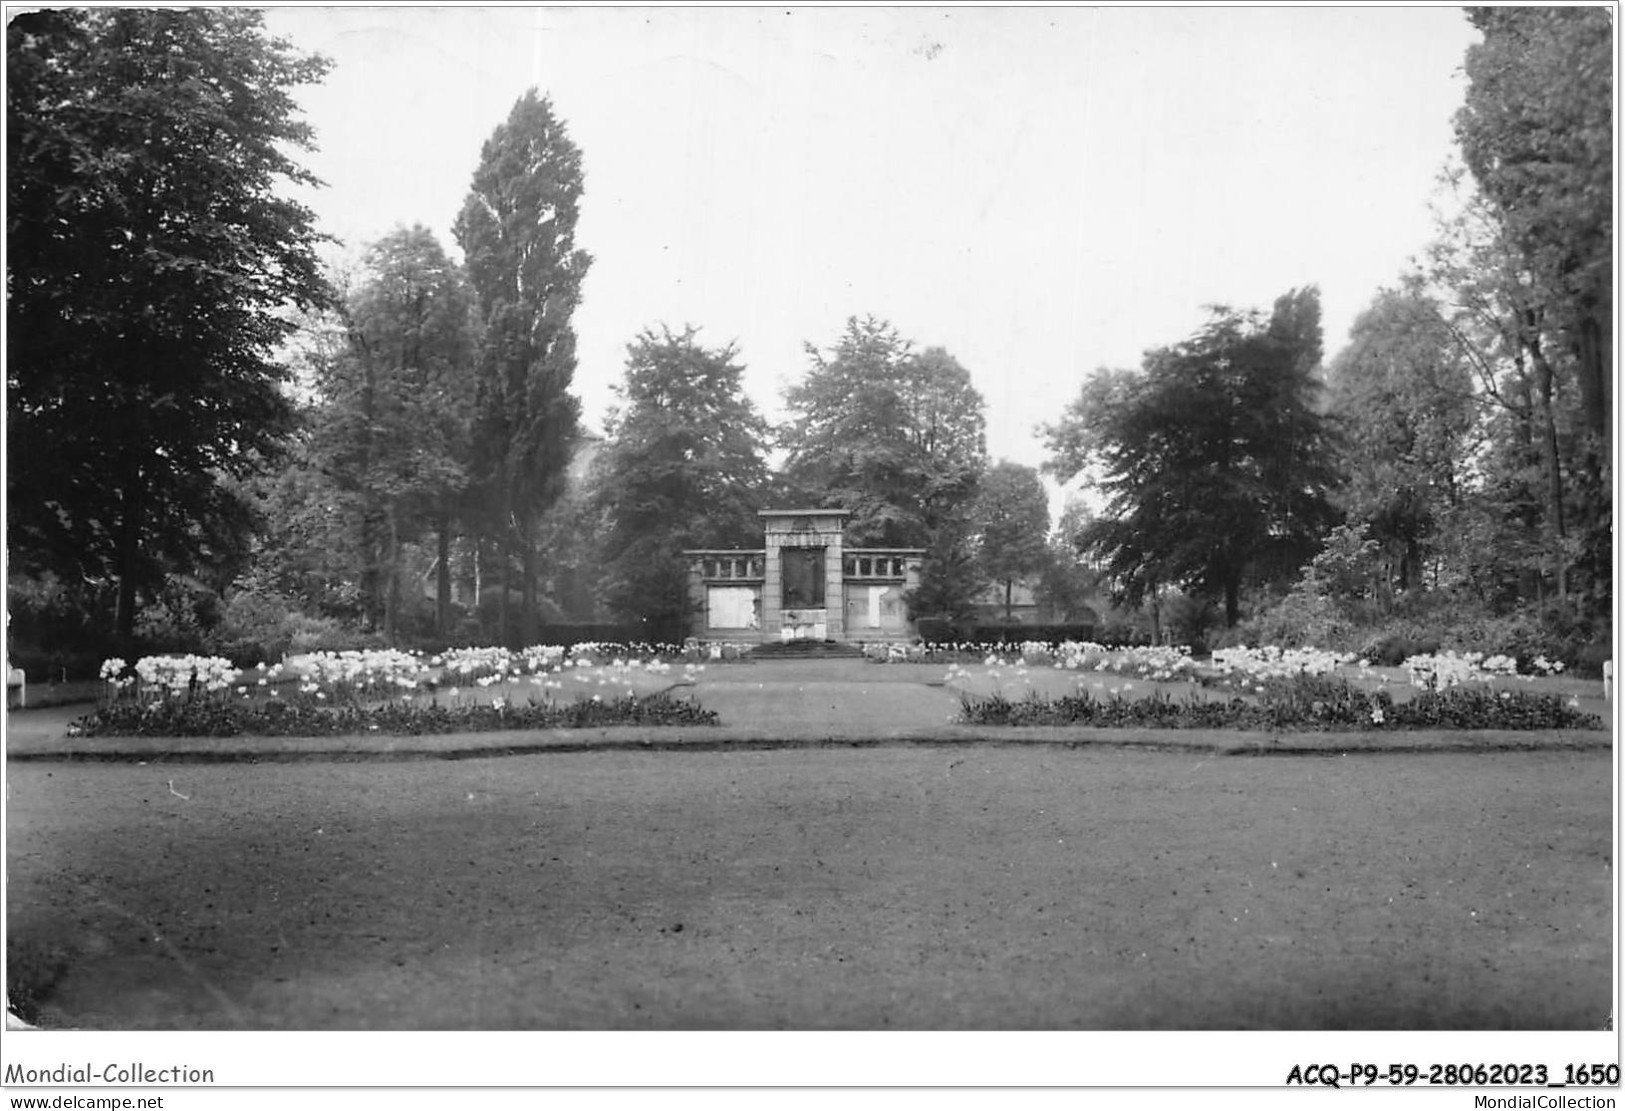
1543, 478
1537, 133
1402, 396
1011, 515
390, 432
1488, 305
896, 437
1068, 584
1217, 464
411, 329
517, 231
151, 256
1536, 262
683, 467
951, 578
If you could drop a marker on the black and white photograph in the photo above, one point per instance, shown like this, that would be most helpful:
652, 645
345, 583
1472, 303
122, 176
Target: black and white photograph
884, 547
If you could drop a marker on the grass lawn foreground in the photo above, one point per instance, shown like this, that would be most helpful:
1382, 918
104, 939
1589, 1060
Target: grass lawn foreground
930, 886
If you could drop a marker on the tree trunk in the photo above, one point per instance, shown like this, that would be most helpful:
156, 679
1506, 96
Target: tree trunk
1007, 607
442, 585
527, 600
1593, 357
392, 571
505, 554
129, 551
505, 524
1555, 530
371, 573
1232, 603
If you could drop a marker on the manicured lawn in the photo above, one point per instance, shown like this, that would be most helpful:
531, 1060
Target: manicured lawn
910, 887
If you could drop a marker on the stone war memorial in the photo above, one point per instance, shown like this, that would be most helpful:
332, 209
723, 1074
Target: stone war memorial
804, 583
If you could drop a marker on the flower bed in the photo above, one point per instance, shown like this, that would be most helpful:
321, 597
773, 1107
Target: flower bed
1266, 688
1301, 704
204, 718
384, 690
1063, 655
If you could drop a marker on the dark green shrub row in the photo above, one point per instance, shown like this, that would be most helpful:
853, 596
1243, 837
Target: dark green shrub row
1423, 621
210, 718
1484, 708
936, 630
1303, 703
1156, 712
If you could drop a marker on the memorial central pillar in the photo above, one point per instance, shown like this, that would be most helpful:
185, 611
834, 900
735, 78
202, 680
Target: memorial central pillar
802, 585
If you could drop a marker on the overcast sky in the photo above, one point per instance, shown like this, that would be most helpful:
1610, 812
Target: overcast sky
1041, 191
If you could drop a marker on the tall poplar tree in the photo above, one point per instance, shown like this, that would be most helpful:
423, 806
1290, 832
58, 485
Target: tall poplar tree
517, 231
1537, 133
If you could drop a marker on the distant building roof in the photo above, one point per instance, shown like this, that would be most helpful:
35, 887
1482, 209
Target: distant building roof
804, 513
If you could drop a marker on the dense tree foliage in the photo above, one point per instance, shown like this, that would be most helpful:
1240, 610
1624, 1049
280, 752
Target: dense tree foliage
1069, 586
1011, 517
1537, 134
1402, 397
1530, 265
1489, 305
1218, 465
150, 256
951, 577
383, 453
1459, 464
683, 467
517, 231
896, 437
